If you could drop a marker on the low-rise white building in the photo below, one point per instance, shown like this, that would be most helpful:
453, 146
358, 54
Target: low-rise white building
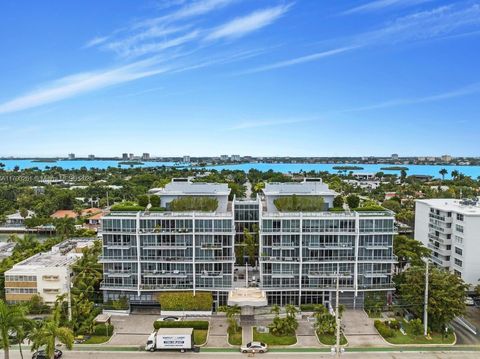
45, 274
451, 229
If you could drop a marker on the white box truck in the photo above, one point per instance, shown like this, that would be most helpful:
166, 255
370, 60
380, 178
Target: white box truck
170, 338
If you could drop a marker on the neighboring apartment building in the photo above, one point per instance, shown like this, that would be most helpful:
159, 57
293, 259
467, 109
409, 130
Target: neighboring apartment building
299, 254
46, 274
451, 229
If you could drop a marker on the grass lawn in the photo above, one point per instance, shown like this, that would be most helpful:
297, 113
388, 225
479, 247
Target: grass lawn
270, 339
329, 339
200, 336
96, 339
236, 338
410, 338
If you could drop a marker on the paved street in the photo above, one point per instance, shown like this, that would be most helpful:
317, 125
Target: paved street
297, 355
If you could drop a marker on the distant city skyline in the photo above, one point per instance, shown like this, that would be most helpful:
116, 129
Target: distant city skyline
211, 77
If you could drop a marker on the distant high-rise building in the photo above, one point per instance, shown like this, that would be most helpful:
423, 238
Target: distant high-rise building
146, 156
224, 157
124, 156
395, 156
186, 159
446, 158
91, 157
235, 158
71, 156
130, 156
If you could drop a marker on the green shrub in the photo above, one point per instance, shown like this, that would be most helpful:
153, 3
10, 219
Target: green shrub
308, 307
189, 203
185, 301
195, 324
103, 330
394, 324
416, 326
127, 207
300, 203
384, 330
155, 201
370, 208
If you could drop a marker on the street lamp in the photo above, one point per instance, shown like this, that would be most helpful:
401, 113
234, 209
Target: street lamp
425, 305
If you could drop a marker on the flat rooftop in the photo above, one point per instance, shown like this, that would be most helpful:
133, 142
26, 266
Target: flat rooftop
307, 188
43, 260
189, 188
454, 205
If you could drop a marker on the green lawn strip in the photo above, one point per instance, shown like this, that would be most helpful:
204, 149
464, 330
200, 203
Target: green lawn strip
235, 338
410, 338
200, 336
271, 339
331, 339
96, 339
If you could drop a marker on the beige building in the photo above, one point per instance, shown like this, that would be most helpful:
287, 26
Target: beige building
46, 274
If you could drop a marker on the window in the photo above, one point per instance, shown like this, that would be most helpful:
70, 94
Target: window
457, 272
459, 217
458, 262
458, 239
459, 228
458, 251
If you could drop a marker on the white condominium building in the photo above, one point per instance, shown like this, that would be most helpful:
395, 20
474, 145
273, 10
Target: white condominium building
45, 274
451, 229
300, 254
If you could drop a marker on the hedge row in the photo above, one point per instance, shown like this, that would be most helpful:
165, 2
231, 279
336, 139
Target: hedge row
181, 301
384, 330
195, 324
101, 330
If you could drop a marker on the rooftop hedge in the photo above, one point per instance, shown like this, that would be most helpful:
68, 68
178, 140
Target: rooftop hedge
207, 204
181, 301
296, 203
195, 324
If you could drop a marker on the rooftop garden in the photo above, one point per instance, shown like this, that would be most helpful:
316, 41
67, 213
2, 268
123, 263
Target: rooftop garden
296, 203
207, 204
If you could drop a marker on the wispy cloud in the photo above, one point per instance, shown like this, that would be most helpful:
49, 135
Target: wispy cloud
381, 5
243, 25
440, 22
268, 123
460, 92
299, 60
96, 41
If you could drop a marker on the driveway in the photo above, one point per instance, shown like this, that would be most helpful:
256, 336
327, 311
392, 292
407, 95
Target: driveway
217, 336
132, 329
359, 329
306, 337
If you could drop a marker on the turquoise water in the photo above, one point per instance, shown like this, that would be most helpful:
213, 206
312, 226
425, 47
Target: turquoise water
76, 164
432, 170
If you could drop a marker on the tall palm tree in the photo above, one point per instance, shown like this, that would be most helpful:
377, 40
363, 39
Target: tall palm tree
275, 309
454, 174
12, 320
443, 172
49, 332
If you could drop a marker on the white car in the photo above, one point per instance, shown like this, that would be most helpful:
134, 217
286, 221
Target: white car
169, 319
469, 301
257, 347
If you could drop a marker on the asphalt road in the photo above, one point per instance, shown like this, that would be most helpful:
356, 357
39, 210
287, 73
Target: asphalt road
362, 355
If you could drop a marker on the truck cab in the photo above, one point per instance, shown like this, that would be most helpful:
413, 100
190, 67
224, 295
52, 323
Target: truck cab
151, 342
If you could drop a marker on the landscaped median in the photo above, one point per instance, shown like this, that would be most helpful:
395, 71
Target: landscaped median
101, 334
331, 339
273, 340
411, 332
235, 338
200, 328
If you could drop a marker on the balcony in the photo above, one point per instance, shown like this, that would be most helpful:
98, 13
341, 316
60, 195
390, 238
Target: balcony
278, 259
165, 246
119, 286
439, 250
284, 274
380, 286
165, 286
391, 258
329, 259
110, 259
167, 259
213, 259
165, 274
315, 274
329, 246
206, 274
212, 246
119, 273
378, 274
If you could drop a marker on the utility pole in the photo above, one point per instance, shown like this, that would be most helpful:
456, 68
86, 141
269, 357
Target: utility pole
337, 317
425, 305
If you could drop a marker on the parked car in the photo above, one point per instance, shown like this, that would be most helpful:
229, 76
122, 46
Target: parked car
169, 319
257, 347
469, 301
42, 355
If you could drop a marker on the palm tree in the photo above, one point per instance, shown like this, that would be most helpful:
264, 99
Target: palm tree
443, 172
12, 320
49, 332
291, 310
455, 174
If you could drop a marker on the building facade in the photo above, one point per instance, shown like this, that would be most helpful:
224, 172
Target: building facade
451, 229
300, 254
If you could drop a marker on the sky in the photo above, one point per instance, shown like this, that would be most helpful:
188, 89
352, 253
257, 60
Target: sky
248, 77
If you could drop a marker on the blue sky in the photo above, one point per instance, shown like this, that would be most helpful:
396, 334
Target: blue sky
254, 77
